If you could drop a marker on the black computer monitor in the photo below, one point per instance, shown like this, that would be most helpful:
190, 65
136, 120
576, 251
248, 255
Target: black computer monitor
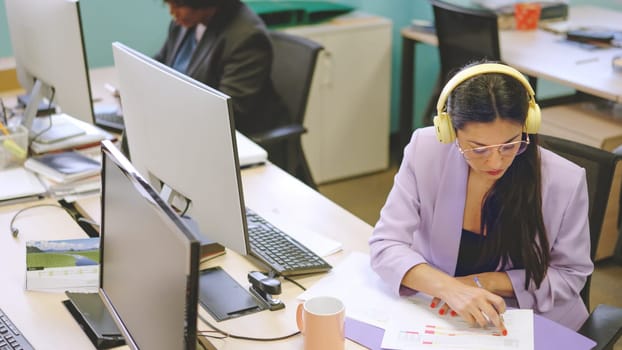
149, 261
181, 138
48, 46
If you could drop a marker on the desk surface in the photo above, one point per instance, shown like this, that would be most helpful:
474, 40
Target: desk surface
40, 316
544, 55
267, 189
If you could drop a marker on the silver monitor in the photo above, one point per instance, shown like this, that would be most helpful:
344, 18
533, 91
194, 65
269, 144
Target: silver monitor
47, 42
181, 137
149, 273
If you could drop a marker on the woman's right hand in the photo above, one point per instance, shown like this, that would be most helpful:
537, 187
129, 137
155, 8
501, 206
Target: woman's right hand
475, 305
459, 295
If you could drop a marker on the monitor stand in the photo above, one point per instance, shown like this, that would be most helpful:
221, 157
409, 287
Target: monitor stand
45, 107
209, 248
90, 312
42, 130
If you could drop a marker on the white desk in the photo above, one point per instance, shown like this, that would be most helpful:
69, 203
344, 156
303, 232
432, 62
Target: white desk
267, 189
544, 55
536, 53
98, 78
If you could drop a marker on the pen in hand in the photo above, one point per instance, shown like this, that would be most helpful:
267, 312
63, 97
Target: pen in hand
504, 331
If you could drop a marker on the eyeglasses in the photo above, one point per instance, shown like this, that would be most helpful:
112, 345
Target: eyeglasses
510, 149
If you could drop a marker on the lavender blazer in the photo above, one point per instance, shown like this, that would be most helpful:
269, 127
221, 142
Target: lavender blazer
421, 222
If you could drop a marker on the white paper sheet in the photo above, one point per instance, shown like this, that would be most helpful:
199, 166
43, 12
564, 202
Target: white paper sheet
366, 297
424, 329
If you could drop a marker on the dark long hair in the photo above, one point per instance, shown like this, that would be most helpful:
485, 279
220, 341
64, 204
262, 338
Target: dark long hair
512, 208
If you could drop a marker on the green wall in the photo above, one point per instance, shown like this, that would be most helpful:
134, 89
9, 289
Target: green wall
142, 24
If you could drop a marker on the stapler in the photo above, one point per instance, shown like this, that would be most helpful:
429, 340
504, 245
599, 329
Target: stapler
264, 288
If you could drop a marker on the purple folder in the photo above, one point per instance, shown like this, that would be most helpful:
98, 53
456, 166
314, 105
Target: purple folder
547, 335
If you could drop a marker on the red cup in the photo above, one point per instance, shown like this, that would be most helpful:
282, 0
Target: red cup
527, 15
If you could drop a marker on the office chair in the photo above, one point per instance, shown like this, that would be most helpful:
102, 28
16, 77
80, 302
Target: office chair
292, 72
464, 35
604, 324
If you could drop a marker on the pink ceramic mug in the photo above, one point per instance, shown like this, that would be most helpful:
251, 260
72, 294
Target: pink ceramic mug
321, 322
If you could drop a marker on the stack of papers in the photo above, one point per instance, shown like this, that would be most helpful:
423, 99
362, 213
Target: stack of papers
19, 184
64, 167
67, 173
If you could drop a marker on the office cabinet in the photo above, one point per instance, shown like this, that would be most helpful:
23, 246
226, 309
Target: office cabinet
348, 113
585, 123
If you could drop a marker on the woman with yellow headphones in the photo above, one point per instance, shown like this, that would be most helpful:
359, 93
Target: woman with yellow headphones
485, 218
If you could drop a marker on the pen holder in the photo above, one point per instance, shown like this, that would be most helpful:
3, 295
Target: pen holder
13, 147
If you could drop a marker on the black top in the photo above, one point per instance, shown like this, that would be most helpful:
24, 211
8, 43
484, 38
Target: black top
469, 254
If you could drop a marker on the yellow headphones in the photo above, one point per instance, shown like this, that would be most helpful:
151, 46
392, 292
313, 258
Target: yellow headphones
442, 122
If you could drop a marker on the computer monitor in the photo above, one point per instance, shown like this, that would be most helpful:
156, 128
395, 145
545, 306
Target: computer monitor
149, 273
181, 137
48, 46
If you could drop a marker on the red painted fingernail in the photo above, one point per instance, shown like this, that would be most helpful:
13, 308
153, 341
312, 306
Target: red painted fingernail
441, 311
433, 305
453, 313
504, 332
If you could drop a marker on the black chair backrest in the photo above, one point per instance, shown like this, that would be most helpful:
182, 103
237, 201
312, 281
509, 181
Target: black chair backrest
599, 167
292, 71
464, 35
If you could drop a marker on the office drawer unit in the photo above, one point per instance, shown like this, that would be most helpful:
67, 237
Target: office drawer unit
348, 113
583, 123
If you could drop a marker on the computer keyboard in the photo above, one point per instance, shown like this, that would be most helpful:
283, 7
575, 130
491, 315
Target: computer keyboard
281, 252
10, 336
112, 120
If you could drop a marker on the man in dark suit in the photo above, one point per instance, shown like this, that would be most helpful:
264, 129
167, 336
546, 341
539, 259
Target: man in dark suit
225, 45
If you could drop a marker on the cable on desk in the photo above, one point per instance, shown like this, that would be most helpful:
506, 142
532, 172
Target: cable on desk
14, 230
49, 117
234, 336
294, 282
